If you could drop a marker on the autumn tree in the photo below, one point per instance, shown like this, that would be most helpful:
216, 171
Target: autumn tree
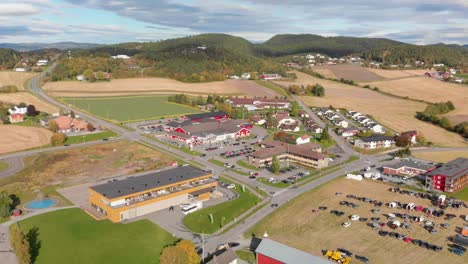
182, 253
189, 248
53, 126
58, 139
89, 75
90, 127
403, 141
20, 245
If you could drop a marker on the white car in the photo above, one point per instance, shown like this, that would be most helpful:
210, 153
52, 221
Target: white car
222, 246
354, 217
271, 179
346, 224
231, 186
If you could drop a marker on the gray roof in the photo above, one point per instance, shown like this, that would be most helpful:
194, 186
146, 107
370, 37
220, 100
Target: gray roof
204, 115
149, 181
226, 257
453, 169
376, 138
287, 254
410, 164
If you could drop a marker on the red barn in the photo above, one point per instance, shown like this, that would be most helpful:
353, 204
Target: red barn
272, 252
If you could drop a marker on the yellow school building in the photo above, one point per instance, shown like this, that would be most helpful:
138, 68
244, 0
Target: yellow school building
119, 200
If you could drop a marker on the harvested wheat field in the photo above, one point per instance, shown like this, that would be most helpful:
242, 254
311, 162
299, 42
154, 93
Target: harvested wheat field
121, 87
349, 72
395, 113
440, 156
396, 74
15, 78
327, 73
88, 164
16, 98
430, 90
296, 225
15, 138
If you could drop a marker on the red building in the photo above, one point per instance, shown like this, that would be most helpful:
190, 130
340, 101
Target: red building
272, 252
450, 177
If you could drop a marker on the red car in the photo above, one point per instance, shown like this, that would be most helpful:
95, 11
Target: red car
408, 239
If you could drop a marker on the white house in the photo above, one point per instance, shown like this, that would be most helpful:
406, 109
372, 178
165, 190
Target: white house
20, 69
374, 142
341, 123
18, 110
80, 77
121, 56
286, 123
377, 129
42, 62
303, 139
246, 75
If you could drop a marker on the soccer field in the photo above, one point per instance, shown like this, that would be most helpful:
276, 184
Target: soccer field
130, 108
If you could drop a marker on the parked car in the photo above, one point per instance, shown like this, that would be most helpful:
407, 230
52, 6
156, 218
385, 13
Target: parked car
462, 248
346, 252
362, 259
354, 217
457, 251
231, 186
346, 224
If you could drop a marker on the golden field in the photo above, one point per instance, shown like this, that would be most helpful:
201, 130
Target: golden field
15, 78
15, 138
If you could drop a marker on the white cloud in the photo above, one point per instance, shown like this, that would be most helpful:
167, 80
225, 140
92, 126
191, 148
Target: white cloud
10, 9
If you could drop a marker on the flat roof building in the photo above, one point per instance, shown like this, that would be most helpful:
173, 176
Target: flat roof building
119, 200
450, 177
408, 167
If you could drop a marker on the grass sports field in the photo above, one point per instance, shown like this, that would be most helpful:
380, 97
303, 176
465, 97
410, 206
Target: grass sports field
71, 236
131, 108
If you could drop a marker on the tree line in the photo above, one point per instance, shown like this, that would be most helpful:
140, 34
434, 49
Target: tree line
314, 90
431, 115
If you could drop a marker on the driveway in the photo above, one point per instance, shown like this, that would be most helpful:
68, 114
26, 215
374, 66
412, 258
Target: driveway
7, 256
15, 165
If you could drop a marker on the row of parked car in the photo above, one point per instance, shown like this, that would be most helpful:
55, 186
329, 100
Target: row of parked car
237, 153
409, 239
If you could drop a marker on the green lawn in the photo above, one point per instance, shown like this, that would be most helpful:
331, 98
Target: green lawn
465, 76
131, 108
3, 166
199, 221
246, 255
462, 194
90, 137
216, 162
71, 236
246, 165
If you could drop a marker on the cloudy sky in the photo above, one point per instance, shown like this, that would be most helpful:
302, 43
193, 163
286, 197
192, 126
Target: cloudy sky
114, 21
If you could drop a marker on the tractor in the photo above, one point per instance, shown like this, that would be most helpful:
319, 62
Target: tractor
338, 257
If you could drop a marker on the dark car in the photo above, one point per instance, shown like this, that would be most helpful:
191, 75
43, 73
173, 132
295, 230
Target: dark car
363, 219
203, 155
362, 259
393, 234
416, 242
401, 236
375, 219
383, 233
343, 202
105, 139
462, 248
457, 251
340, 213
345, 251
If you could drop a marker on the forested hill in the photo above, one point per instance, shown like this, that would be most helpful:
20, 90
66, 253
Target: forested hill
280, 45
407, 53
8, 58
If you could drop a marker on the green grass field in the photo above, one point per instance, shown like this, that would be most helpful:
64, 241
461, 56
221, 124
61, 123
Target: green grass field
3, 166
90, 137
465, 75
199, 221
71, 236
130, 108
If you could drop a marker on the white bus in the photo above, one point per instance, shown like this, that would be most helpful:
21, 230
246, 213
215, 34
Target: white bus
190, 208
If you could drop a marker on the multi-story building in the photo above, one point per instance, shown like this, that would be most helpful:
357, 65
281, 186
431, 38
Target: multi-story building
450, 177
307, 154
137, 196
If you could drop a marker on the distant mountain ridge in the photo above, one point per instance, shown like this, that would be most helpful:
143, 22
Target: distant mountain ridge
38, 46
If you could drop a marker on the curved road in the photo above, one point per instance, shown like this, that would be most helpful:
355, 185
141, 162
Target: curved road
15, 164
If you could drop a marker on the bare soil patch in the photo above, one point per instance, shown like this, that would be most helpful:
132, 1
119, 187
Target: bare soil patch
89, 164
15, 138
120, 87
16, 98
15, 78
294, 224
442, 156
350, 72
395, 113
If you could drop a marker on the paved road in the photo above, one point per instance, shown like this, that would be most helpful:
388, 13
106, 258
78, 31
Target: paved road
15, 164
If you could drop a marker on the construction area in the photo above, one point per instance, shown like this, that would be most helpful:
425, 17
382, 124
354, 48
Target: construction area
369, 220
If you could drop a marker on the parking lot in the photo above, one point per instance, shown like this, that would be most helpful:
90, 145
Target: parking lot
314, 222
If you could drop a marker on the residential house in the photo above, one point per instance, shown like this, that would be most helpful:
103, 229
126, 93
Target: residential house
136, 196
18, 110
286, 123
307, 154
311, 126
80, 78
42, 62
272, 252
376, 128
303, 114
257, 119
412, 135
122, 56
340, 122
246, 75
16, 118
303, 139
270, 76
332, 116
349, 132
375, 142
450, 177
68, 124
